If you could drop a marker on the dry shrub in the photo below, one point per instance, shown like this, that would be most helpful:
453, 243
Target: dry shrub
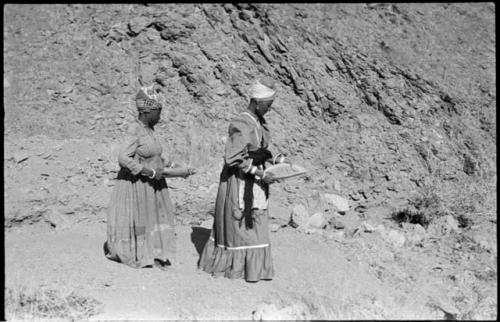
468, 200
412, 217
23, 303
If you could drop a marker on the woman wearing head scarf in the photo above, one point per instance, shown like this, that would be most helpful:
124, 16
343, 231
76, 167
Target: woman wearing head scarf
239, 244
141, 221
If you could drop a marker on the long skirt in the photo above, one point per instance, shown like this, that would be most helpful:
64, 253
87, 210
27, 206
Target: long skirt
141, 222
239, 245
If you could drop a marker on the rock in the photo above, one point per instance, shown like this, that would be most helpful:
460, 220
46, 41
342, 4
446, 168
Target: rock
67, 89
360, 208
107, 123
208, 224
336, 184
482, 242
415, 234
451, 222
279, 215
393, 237
265, 312
366, 227
299, 216
275, 227
56, 219
350, 221
67, 210
311, 230
20, 157
379, 213
336, 223
338, 236
340, 203
443, 226
317, 220
137, 25
446, 306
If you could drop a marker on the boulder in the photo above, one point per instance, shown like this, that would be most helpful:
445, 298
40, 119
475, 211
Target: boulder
349, 222
208, 224
274, 227
317, 220
334, 222
366, 227
415, 234
443, 226
482, 242
137, 25
339, 203
278, 214
393, 237
56, 219
446, 305
299, 216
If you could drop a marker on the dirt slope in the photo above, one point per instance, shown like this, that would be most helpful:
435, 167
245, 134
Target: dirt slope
390, 106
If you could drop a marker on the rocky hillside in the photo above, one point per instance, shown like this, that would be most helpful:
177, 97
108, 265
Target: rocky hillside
382, 103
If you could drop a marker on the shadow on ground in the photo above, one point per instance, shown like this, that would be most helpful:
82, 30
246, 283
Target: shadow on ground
199, 237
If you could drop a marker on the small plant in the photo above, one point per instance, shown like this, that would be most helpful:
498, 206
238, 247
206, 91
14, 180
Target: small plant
25, 304
412, 217
464, 221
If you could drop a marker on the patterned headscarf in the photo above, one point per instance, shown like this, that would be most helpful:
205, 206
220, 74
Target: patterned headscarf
262, 92
147, 100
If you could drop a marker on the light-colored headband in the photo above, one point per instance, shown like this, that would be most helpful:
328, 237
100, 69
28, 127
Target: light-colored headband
261, 92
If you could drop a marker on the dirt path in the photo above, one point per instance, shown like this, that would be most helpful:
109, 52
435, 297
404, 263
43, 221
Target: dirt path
314, 278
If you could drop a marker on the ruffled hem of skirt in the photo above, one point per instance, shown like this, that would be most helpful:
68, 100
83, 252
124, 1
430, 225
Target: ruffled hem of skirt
111, 254
252, 264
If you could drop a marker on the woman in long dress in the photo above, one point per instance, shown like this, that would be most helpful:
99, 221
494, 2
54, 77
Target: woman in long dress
239, 245
141, 222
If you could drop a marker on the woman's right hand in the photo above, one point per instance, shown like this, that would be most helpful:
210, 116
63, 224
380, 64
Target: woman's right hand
158, 173
266, 177
148, 172
188, 172
270, 178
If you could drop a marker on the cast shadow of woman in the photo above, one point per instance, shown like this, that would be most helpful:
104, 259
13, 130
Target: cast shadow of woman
199, 237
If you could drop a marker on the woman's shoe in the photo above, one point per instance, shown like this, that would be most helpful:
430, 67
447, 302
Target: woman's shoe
163, 265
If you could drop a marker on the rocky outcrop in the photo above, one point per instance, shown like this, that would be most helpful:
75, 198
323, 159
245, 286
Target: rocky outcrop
376, 121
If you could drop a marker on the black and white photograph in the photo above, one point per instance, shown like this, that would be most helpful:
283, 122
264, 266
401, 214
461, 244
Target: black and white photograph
250, 161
